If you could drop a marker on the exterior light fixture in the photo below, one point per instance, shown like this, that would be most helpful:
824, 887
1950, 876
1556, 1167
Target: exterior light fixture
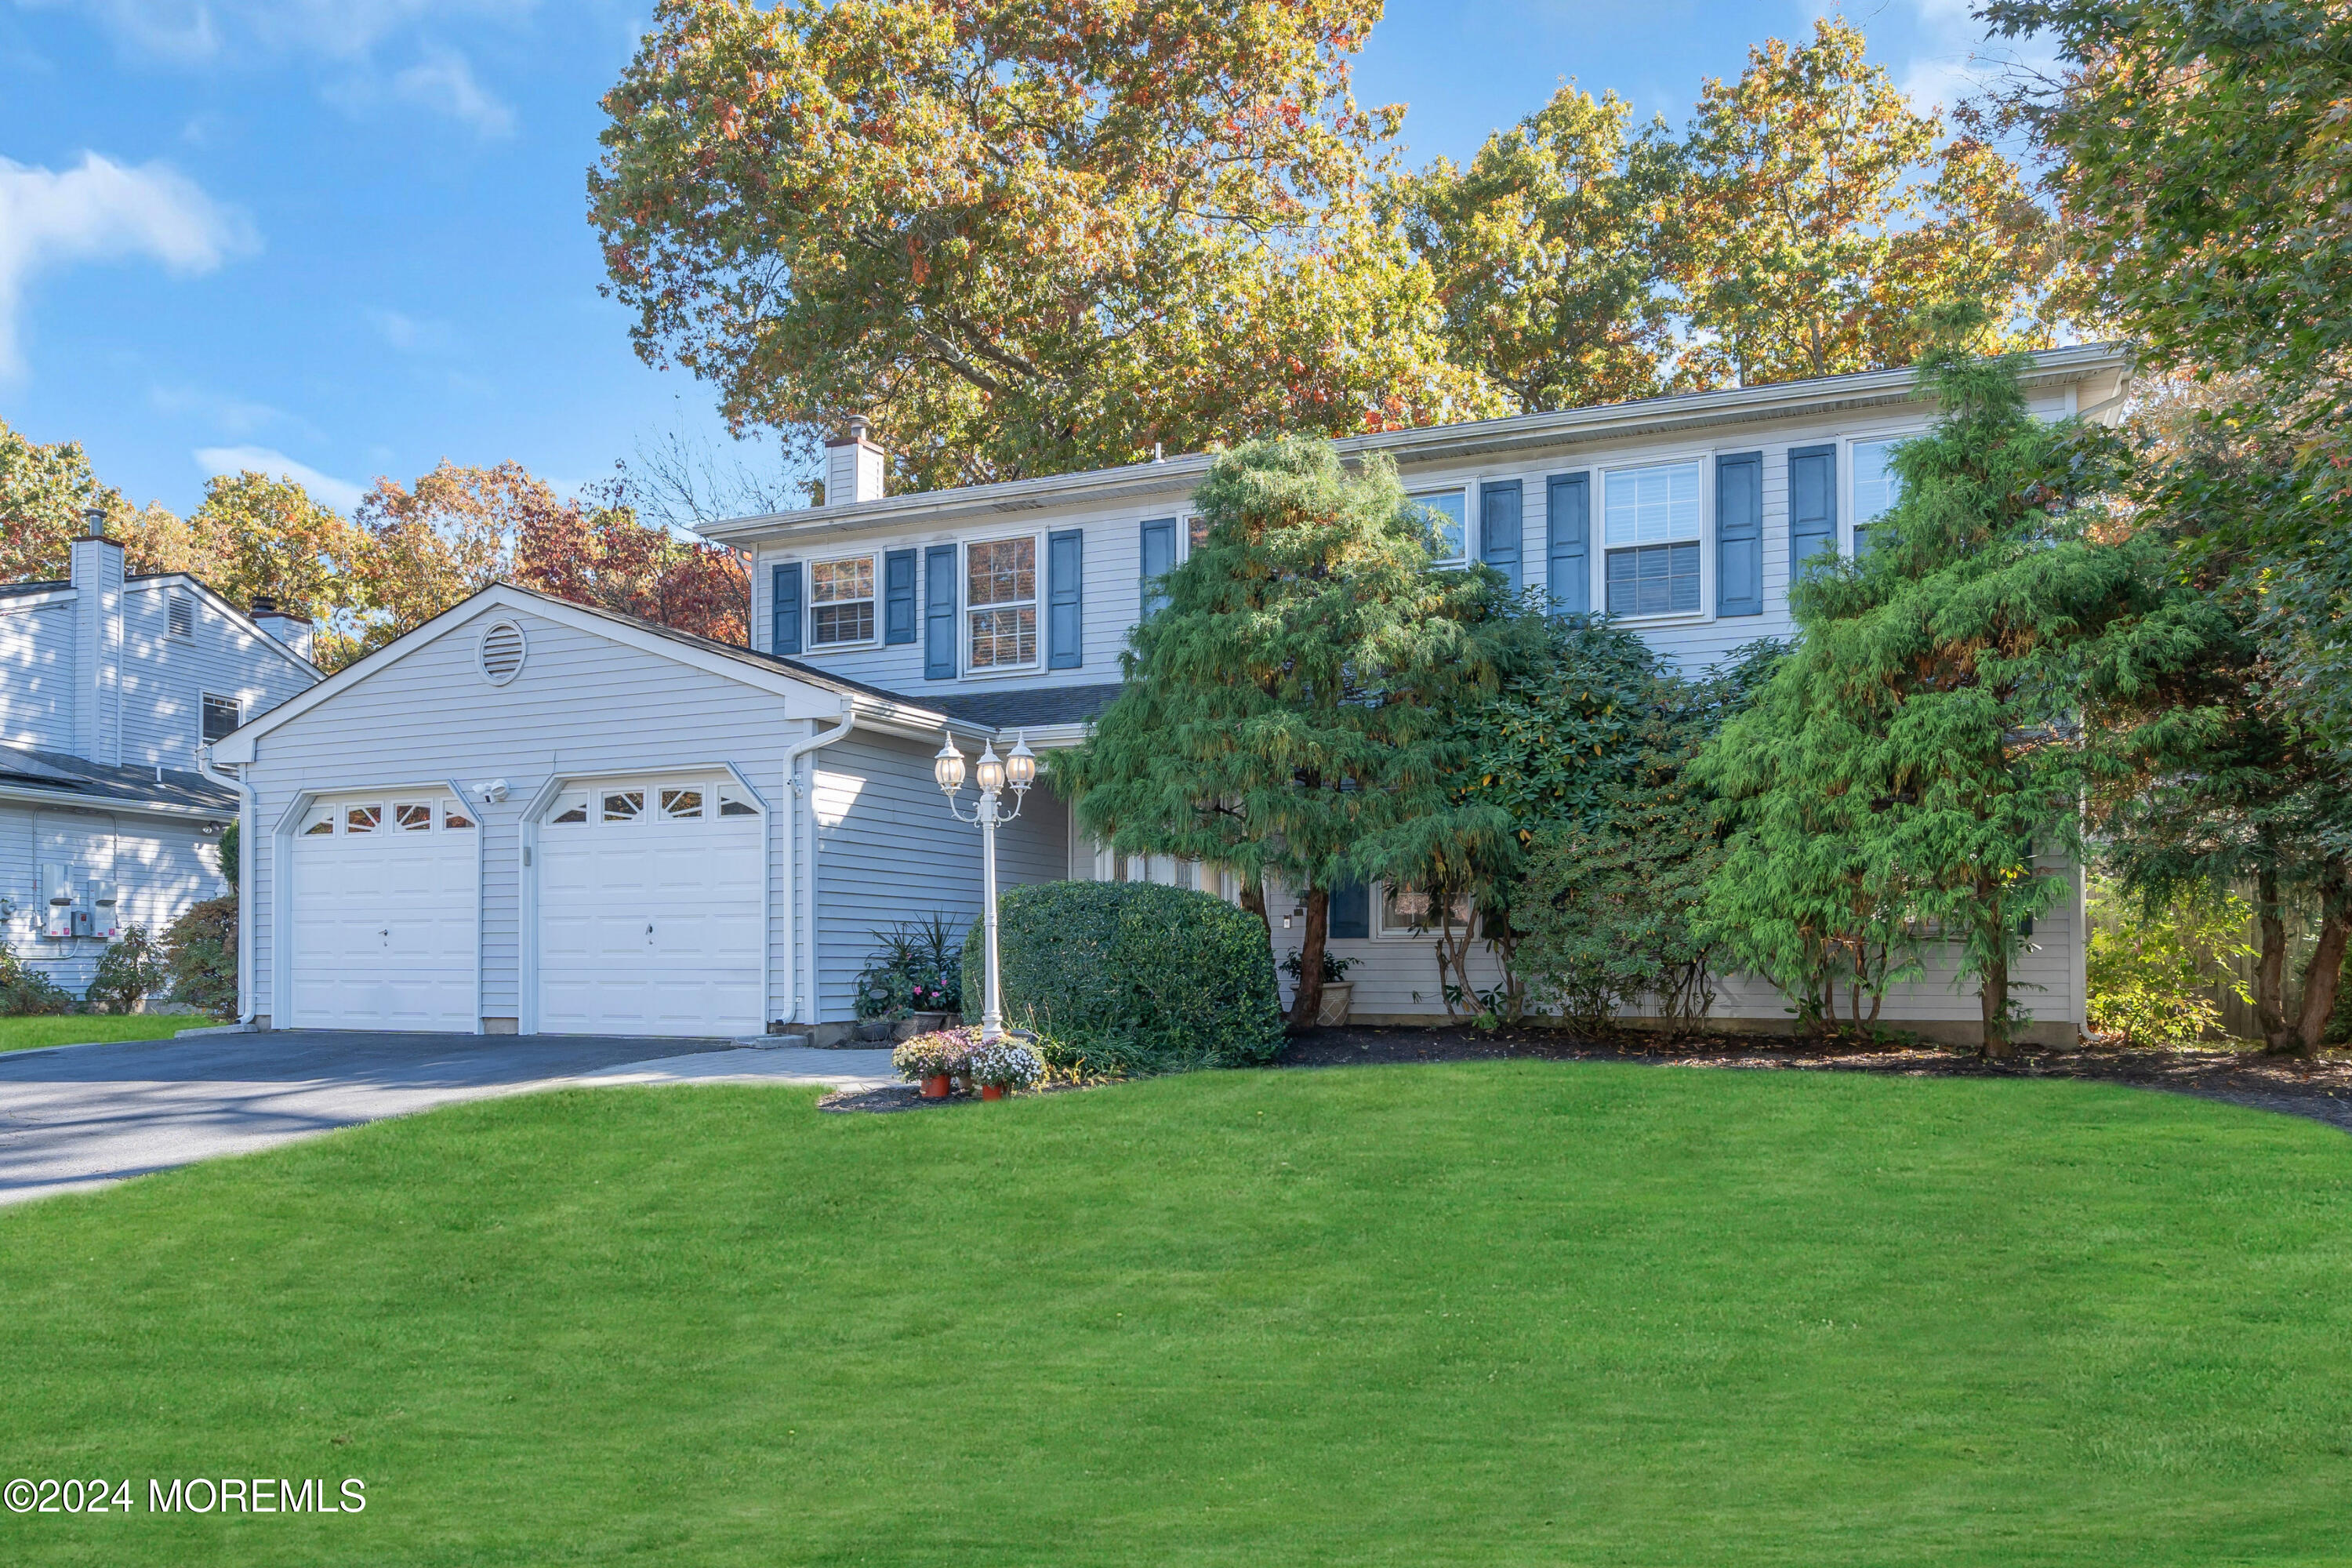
990, 776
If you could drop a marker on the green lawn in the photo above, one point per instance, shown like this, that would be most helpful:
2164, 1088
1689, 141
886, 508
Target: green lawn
1502, 1313
30, 1034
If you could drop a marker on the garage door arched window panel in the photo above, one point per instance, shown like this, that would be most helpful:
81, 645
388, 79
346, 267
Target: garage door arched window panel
456, 818
360, 819
319, 822
412, 815
651, 912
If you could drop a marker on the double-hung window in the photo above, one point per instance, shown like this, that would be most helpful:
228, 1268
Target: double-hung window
841, 602
1000, 603
1877, 488
221, 716
1446, 515
1650, 531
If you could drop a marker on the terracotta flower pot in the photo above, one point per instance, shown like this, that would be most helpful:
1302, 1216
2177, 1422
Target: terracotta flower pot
936, 1087
991, 1091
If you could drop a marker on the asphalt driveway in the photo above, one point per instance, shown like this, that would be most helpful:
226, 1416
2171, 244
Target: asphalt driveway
73, 1117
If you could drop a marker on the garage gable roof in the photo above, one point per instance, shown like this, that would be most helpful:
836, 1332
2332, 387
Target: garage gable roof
821, 695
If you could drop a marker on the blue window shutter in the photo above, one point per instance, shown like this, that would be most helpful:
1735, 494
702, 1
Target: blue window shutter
1567, 525
1065, 630
1498, 528
1350, 917
939, 612
1812, 505
1739, 534
899, 597
785, 603
1159, 560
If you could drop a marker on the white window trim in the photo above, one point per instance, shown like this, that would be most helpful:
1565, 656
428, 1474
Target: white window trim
204, 696
1849, 515
1383, 932
964, 607
809, 644
1597, 523
1468, 491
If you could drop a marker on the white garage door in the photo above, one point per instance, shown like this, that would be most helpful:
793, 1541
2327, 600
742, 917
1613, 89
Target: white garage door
385, 914
650, 914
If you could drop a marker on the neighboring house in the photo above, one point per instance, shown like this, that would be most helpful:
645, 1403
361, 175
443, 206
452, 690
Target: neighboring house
110, 687
528, 814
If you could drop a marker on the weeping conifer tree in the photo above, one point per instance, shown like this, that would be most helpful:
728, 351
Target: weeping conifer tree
1290, 709
1908, 785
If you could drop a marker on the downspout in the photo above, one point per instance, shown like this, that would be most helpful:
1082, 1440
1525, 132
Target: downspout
800, 897
245, 1008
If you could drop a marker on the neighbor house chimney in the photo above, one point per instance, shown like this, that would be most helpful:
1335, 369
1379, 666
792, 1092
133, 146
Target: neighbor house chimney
852, 466
293, 630
98, 643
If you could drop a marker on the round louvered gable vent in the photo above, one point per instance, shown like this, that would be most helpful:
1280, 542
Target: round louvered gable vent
502, 652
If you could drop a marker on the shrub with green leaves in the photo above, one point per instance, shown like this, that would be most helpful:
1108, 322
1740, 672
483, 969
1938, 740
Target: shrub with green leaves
1124, 978
2152, 973
201, 948
132, 968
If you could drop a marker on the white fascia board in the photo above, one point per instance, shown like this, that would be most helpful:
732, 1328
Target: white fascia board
804, 698
1178, 477
913, 724
1051, 737
61, 595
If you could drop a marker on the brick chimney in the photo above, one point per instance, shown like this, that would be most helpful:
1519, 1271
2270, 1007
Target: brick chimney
295, 631
852, 466
97, 574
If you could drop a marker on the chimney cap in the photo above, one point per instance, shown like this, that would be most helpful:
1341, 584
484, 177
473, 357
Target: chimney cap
263, 605
94, 519
855, 435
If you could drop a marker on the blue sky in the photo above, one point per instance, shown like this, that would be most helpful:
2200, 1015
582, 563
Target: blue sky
347, 238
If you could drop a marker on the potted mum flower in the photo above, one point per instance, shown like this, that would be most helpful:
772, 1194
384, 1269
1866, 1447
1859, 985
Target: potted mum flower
935, 1059
1003, 1066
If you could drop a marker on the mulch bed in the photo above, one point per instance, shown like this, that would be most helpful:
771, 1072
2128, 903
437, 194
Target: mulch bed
2320, 1089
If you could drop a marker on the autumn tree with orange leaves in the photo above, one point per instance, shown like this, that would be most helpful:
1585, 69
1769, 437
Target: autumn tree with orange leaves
1020, 239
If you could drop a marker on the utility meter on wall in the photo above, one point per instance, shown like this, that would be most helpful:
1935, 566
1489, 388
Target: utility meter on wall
105, 911
57, 900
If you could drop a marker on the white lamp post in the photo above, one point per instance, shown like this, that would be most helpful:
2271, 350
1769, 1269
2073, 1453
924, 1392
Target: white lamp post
1018, 768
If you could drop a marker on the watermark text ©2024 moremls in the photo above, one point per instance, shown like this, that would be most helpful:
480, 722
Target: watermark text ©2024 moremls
196, 1494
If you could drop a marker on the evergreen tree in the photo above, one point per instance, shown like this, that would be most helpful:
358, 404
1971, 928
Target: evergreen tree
1912, 773
1291, 711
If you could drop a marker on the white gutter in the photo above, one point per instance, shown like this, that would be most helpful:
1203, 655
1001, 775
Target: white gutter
34, 794
799, 887
244, 820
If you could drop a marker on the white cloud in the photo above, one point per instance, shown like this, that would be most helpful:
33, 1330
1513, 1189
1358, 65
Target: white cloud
1956, 60
445, 83
341, 494
227, 413
412, 334
99, 210
194, 31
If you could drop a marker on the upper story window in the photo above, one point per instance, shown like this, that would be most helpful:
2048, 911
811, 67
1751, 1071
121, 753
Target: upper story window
1651, 529
1876, 487
1447, 514
1000, 603
841, 602
222, 715
179, 613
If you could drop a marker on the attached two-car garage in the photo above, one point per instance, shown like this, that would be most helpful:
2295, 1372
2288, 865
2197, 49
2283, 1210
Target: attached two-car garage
649, 910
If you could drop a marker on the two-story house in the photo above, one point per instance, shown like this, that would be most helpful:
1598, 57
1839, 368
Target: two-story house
109, 688
528, 814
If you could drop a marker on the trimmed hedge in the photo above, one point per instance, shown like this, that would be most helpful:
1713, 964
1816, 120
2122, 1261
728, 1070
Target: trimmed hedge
1131, 978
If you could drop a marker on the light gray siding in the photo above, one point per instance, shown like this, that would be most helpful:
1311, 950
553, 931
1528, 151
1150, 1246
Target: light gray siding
164, 677
163, 864
887, 851
583, 705
37, 674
